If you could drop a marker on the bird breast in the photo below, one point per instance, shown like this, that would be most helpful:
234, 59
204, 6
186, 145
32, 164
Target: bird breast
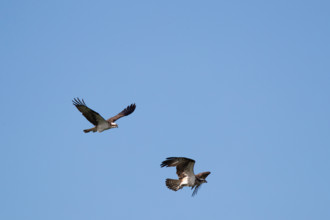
188, 181
103, 126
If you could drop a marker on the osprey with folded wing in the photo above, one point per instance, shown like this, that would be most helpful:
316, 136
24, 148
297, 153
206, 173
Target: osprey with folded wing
185, 171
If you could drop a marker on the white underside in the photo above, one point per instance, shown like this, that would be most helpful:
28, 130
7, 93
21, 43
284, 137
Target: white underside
103, 126
188, 181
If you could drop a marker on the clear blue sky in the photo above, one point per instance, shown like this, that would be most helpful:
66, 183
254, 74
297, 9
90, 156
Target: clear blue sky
242, 87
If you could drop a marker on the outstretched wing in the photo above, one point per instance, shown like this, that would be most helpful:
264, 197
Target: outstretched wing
127, 111
92, 116
184, 166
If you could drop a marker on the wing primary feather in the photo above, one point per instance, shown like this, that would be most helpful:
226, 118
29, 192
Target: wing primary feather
196, 190
91, 115
127, 111
175, 161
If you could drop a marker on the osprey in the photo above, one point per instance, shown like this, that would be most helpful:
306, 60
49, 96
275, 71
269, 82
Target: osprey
185, 171
96, 119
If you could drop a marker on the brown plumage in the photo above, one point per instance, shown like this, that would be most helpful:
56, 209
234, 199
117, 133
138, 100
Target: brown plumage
96, 119
185, 171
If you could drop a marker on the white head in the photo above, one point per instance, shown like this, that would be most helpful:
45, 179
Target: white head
113, 125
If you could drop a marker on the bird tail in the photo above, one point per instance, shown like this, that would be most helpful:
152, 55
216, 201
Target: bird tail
89, 130
173, 184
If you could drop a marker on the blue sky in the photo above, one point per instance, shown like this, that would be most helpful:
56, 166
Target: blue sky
242, 87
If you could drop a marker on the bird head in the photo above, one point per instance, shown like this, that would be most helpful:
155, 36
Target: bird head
202, 176
201, 181
114, 125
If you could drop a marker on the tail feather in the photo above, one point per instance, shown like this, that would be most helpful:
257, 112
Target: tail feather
173, 184
89, 130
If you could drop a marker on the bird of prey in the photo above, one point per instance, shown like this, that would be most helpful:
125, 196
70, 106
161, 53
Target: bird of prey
185, 171
96, 119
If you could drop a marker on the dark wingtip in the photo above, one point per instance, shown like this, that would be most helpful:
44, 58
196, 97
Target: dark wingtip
171, 158
132, 107
77, 102
162, 164
129, 109
167, 162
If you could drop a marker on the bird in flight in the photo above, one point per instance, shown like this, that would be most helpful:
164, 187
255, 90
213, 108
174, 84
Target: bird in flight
185, 171
96, 119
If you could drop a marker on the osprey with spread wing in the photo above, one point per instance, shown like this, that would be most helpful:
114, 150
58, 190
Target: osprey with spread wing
185, 171
96, 119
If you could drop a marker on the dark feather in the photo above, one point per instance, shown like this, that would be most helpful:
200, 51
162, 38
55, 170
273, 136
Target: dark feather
196, 189
181, 164
175, 161
127, 111
173, 184
202, 175
91, 115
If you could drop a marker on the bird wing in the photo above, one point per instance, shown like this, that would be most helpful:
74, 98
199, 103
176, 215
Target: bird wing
127, 111
202, 175
91, 115
184, 166
197, 187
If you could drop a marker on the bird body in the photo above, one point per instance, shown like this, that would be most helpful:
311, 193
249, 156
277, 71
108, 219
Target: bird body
188, 181
102, 126
185, 171
96, 119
